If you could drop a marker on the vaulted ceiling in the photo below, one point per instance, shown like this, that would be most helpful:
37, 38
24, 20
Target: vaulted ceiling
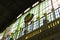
10, 9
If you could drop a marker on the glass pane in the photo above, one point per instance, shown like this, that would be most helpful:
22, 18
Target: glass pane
50, 8
41, 24
41, 21
49, 2
44, 5
40, 6
59, 10
30, 28
36, 9
54, 1
52, 16
44, 11
55, 5
58, 3
35, 25
20, 34
57, 13
35, 17
41, 14
23, 31
47, 10
49, 18
22, 25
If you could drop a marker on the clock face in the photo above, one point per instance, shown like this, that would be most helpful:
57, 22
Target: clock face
29, 17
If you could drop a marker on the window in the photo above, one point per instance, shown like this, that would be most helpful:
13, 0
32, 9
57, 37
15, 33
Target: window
52, 17
30, 28
35, 25
49, 9
41, 21
35, 11
59, 10
55, 5
41, 6
58, 3
23, 31
49, 2
41, 14
44, 11
19, 34
54, 1
35, 17
45, 7
57, 13
49, 18
22, 25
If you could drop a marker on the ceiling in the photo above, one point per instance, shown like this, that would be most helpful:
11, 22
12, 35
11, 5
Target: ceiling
10, 9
